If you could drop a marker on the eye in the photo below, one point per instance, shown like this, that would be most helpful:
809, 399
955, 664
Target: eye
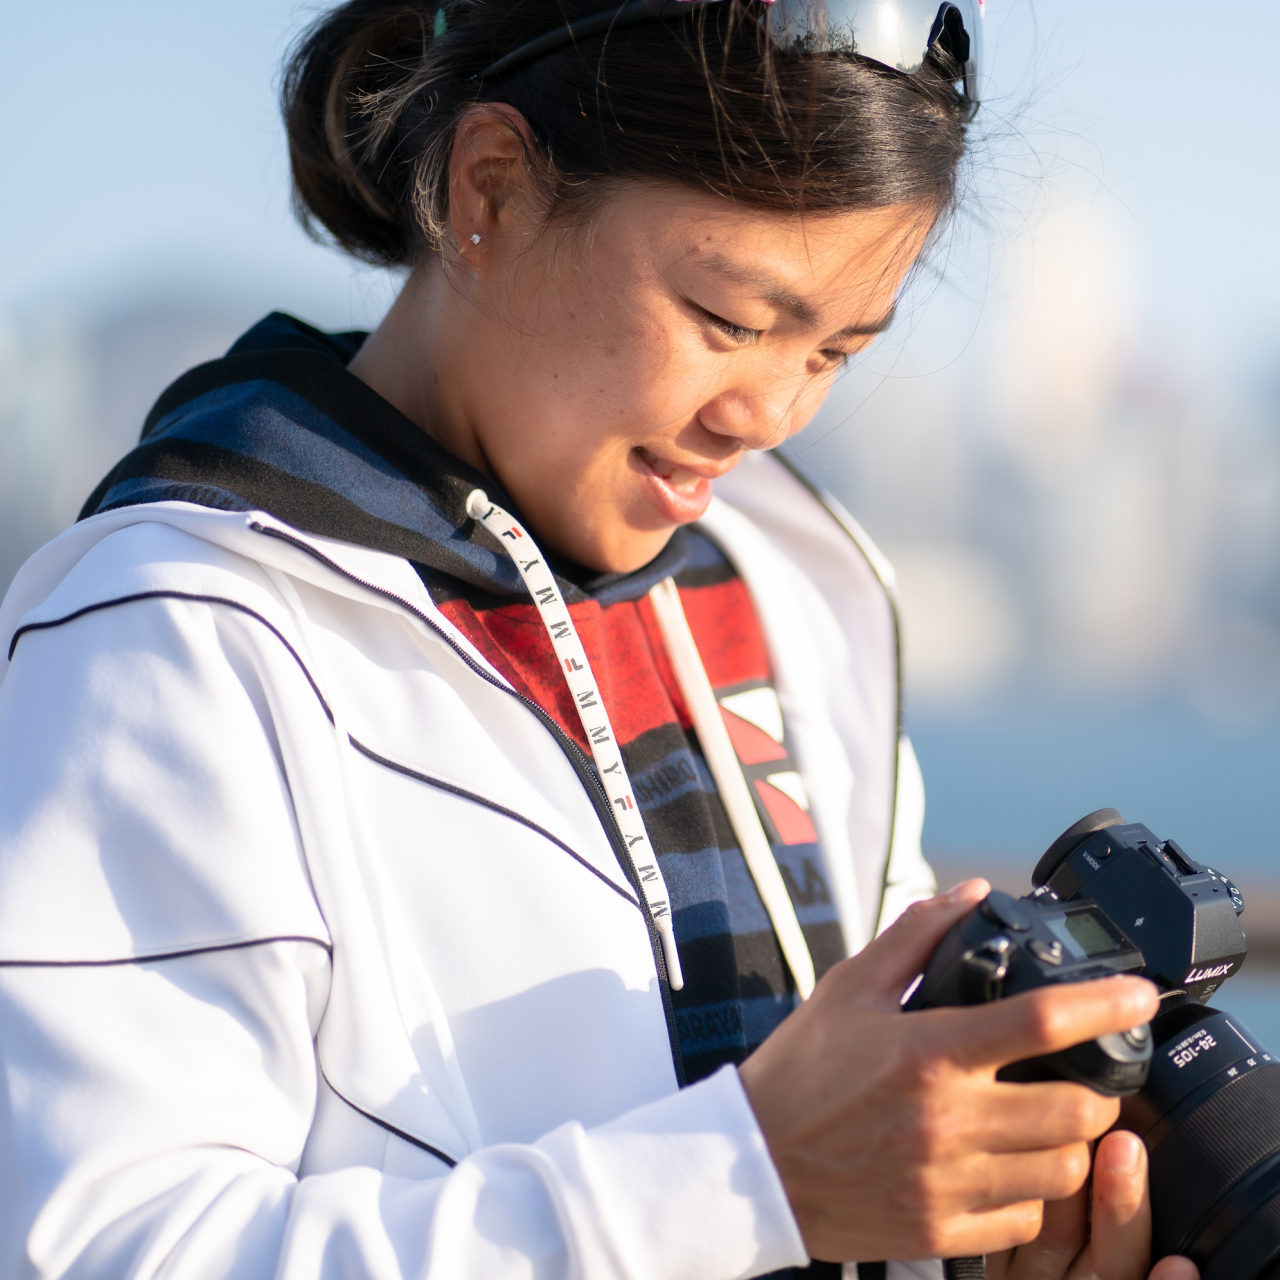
735, 332
836, 359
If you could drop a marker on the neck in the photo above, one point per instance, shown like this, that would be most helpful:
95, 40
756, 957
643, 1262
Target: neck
415, 357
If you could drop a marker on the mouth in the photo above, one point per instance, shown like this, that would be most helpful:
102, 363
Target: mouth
680, 494
677, 477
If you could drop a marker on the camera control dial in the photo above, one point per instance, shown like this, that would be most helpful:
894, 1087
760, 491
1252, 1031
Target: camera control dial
985, 969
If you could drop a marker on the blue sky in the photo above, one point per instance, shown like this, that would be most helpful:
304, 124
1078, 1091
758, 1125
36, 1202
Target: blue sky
143, 154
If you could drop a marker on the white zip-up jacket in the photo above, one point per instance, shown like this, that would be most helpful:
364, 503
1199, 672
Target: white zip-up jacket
317, 957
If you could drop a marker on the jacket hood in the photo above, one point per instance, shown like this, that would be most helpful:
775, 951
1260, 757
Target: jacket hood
279, 425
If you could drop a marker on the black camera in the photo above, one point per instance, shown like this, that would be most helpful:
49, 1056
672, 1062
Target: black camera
1198, 1087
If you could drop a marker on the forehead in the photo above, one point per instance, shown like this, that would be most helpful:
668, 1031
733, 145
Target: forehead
863, 252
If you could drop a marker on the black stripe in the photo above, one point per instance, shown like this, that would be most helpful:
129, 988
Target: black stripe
163, 955
490, 804
174, 595
582, 766
260, 486
390, 1128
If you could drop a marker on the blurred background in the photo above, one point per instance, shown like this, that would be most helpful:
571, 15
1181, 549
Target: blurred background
1069, 445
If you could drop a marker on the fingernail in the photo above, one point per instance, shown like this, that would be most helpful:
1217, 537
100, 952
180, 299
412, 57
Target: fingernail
968, 891
1123, 1153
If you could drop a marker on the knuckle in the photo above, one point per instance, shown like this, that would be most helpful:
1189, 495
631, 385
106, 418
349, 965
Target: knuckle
1080, 1112
1027, 1220
1069, 1172
915, 915
1046, 1020
939, 1238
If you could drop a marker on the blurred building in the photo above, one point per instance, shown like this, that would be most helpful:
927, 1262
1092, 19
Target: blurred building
1070, 516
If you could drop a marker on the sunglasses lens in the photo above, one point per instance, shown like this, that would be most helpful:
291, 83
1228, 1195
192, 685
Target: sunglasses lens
896, 33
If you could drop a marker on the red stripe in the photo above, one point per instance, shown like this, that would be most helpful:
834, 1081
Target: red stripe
753, 745
625, 649
793, 824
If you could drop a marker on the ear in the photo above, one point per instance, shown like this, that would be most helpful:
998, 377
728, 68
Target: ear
490, 183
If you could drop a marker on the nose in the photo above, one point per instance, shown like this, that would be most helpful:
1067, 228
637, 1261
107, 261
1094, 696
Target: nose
760, 416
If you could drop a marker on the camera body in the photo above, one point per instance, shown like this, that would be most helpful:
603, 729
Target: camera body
1109, 897
1010, 945
1202, 1092
1183, 916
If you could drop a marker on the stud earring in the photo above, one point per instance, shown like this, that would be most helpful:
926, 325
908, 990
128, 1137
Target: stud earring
475, 237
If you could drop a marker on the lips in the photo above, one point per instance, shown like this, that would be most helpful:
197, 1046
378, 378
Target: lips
678, 477
680, 494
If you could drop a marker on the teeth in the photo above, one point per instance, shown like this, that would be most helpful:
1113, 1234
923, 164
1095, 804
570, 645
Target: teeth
679, 477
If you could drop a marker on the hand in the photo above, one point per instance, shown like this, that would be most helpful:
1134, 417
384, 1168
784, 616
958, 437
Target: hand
1110, 1240
890, 1132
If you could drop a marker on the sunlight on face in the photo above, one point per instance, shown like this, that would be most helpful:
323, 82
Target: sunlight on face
629, 369
606, 375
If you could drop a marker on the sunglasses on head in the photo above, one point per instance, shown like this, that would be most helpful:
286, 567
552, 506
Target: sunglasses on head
895, 33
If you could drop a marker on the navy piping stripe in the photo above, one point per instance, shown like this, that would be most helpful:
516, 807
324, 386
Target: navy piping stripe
390, 1128
174, 595
164, 955
590, 782
496, 807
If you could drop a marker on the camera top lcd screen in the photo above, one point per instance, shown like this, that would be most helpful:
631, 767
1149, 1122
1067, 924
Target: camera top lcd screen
1085, 933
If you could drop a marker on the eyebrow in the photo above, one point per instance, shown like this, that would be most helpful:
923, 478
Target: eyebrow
772, 290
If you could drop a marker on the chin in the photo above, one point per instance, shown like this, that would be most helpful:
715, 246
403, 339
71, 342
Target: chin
631, 555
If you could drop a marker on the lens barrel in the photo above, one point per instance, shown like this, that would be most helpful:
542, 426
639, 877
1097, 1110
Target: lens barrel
1210, 1117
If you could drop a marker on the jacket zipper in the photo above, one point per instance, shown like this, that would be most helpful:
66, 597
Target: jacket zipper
577, 758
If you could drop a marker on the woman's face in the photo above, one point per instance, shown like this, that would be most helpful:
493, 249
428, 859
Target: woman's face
606, 379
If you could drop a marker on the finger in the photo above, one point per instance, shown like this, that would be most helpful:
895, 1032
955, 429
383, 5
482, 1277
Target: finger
1063, 1233
997, 1181
989, 1232
886, 965
1030, 1117
1120, 1242
1046, 1020
1175, 1269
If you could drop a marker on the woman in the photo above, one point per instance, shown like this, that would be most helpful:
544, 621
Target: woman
426, 807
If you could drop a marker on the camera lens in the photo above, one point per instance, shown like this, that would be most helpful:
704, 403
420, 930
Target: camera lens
1210, 1117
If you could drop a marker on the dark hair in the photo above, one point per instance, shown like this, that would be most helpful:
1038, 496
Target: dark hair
372, 94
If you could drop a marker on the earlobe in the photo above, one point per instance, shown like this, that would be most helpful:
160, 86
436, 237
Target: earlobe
488, 171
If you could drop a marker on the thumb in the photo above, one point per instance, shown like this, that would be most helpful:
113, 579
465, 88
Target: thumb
888, 964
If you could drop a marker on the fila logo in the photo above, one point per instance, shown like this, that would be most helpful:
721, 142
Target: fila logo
572, 664
625, 802
513, 533
546, 595
1218, 971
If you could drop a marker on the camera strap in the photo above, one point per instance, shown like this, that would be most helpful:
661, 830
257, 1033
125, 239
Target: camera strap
952, 1268
596, 725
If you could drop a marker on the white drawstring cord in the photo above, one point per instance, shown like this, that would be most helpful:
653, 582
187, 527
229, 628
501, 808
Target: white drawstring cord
596, 724
722, 760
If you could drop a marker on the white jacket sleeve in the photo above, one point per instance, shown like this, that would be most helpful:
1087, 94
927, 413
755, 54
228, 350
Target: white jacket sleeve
157, 1022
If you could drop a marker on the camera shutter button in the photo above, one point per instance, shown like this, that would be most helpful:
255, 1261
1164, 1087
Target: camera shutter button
1006, 911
